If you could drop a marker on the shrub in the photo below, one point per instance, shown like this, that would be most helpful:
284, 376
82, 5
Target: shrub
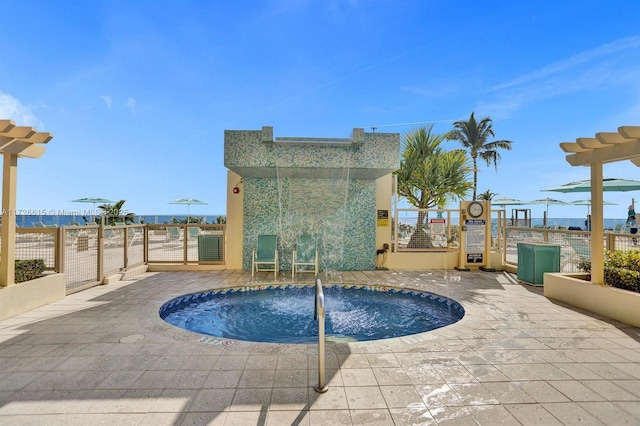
29, 269
621, 269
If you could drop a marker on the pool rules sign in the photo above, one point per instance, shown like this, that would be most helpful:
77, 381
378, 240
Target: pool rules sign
475, 234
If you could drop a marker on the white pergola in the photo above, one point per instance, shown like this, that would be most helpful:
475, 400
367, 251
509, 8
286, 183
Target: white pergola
15, 142
606, 147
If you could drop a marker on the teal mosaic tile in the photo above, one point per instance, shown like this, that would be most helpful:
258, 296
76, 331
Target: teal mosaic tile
320, 187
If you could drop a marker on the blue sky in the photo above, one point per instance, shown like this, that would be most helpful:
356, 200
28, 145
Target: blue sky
138, 93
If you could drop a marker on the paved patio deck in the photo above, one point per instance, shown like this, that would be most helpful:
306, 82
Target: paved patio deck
104, 356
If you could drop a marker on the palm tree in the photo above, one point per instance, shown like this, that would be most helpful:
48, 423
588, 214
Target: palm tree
474, 138
112, 213
487, 195
428, 175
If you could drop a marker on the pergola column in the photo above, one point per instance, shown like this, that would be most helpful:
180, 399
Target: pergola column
15, 141
597, 217
606, 147
8, 226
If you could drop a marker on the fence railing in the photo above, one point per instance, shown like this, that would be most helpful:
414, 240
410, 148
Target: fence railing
88, 254
425, 230
575, 246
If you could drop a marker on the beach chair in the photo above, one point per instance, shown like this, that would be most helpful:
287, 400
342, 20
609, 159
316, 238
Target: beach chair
305, 256
173, 235
581, 248
112, 236
134, 234
265, 256
193, 232
619, 228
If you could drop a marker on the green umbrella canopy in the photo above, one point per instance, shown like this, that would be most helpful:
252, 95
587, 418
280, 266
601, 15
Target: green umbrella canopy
188, 202
506, 202
93, 201
588, 203
547, 201
608, 184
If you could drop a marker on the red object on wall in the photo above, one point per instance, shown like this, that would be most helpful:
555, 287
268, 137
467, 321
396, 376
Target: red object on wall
236, 190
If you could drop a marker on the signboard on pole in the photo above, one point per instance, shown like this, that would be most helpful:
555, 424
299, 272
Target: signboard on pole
475, 238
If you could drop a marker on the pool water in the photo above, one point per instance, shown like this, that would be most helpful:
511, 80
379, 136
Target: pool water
284, 314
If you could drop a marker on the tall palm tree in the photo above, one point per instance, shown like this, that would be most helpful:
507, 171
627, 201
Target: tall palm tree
428, 175
113, 213
487, 195
474, 137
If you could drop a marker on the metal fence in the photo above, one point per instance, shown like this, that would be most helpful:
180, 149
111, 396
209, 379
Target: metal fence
425, 230
575, 246
186, 244
88, 254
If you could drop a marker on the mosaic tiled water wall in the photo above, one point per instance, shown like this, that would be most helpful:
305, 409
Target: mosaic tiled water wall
345, 236
320, 187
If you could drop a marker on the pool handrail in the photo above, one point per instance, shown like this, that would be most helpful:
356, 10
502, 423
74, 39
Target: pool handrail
318, 315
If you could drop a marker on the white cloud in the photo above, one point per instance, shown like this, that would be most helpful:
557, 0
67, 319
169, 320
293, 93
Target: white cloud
107, 101
593, 70
574, 61
12, 109
131, 105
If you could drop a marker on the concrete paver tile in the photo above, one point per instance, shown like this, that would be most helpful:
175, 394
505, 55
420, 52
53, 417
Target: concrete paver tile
375, 417
570, 413
606, 412
334, 400
364, 397
532, 415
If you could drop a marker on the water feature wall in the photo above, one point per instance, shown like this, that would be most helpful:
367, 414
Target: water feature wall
323, 187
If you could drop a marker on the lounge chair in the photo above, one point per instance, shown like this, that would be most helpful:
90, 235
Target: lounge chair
581, 248
192, 233
134, 234
620, 228
266, 254
112, 236
173, 235
304, 256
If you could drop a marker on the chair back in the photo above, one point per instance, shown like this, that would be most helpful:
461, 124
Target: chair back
306, 249
267, 245
173, 232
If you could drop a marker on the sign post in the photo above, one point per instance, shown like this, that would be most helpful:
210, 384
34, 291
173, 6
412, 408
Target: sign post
475, 235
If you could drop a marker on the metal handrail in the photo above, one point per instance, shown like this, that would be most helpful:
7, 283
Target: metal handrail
318, 315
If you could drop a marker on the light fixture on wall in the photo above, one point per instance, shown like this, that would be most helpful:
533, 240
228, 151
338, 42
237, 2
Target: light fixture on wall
236, 188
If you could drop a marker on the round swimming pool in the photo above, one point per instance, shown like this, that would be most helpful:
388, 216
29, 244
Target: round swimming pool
284, 314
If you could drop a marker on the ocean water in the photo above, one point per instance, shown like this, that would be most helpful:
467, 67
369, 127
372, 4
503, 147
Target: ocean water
28, 221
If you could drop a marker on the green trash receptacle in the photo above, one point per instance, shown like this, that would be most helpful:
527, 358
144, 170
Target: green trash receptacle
534, 259
209, 248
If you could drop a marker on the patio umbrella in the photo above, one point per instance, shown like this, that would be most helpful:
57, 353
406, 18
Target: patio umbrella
188, 202
588, 204
94, 201
547, 201
506, 202
608, 184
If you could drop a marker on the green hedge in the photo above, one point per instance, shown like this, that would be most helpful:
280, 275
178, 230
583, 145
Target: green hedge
29, 269
621, 269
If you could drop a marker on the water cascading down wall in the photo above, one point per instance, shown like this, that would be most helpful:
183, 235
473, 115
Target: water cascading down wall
324, 187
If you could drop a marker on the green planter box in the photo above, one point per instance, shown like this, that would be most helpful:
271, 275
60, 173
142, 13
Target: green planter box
209, 248
534, 259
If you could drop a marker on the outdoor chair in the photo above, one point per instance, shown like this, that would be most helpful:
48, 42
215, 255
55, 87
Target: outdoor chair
581, 248
304, 256
112, 236
193, 232
134, 234
265, 256
173, 235
620, 228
